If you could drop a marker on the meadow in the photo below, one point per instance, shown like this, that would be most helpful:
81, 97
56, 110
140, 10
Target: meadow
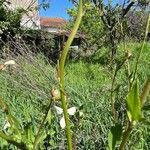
26, 88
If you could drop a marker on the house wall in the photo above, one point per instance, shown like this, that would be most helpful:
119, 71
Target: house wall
51, 29
31, 18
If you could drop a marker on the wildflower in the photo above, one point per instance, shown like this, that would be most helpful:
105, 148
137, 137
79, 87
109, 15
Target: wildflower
7, 125
71, 111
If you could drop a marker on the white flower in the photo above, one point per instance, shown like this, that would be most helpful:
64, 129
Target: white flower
71, 111
7, 125
10, 62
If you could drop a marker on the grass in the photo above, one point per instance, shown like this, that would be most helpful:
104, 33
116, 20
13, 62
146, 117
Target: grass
27, 88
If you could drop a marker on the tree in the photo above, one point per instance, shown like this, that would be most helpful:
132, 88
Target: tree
136, 25
10, 19
9, 23
91, 26
111, 20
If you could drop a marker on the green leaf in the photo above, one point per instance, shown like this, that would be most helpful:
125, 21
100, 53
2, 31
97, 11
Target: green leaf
51, 132
10, 140
134, 104
42, 136
114, 136
49, 117
28, 133
11, 119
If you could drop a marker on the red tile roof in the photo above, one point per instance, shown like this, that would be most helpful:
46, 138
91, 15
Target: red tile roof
52, 22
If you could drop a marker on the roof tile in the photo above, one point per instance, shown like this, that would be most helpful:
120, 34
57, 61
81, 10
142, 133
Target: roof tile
52, 22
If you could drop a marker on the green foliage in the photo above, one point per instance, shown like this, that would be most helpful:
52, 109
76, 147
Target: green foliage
108, 24
21, 136
134, 104
10, 19
114, 136
95, 89
91, 25
35, 41
28, 112
136, 24
26, 89
143, 2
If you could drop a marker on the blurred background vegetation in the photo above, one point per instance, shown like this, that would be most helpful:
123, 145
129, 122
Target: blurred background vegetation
26, 87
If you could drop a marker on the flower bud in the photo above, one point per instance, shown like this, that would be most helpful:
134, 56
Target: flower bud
55, 93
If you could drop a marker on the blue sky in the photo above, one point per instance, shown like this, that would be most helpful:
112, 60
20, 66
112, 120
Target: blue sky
57, 9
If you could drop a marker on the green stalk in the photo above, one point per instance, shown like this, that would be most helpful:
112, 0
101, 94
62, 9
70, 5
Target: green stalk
145, 93
128, 56
113, 97
61, 69
142, 47
126, 136
10, 140
39, 133
146, 90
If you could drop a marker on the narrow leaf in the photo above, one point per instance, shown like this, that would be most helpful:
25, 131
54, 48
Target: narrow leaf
134, 104
14, 123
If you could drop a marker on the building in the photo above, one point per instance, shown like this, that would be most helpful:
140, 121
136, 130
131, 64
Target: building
53, 25
56, 26
32, 20
31, 17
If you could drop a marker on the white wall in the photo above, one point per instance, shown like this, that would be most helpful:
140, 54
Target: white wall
31, 18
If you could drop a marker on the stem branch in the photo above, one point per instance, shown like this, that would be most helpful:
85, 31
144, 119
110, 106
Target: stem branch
126, 136
41, 127
142, 47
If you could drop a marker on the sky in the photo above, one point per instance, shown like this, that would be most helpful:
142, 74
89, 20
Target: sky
57, 9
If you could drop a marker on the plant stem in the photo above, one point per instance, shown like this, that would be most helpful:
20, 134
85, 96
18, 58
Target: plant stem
128, 56
126, 136
146, 91
61, 65
113, 98
41, 127
142, 47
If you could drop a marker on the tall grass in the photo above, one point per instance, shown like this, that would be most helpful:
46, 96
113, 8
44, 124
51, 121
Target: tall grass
26, 88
